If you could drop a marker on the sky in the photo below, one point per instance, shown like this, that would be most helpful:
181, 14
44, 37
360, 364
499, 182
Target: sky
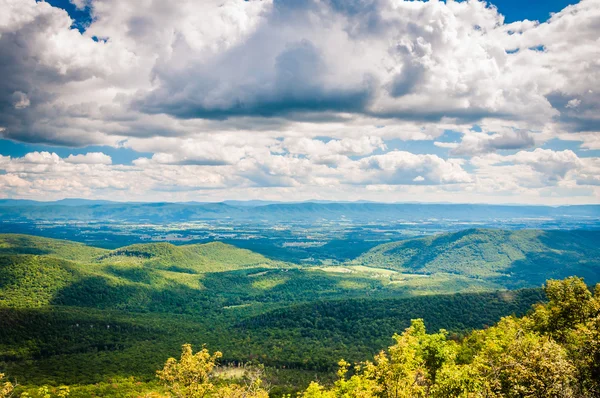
382, 100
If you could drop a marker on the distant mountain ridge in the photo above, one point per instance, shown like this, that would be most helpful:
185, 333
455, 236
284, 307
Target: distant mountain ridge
82, 210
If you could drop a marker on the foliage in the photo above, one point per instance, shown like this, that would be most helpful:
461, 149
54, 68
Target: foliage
192, 376
6, 387
77, 315
518, 357
47, 392
84, 345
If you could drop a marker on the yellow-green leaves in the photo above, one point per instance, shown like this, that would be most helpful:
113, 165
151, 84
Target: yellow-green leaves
6, 387
192, 377
554, 352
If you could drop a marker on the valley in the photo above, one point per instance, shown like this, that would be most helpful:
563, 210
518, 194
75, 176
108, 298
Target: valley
79, 314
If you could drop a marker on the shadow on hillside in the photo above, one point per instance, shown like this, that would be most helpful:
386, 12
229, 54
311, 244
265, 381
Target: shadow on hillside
536, 268
580, 241
132, 274
97, 292
23, 250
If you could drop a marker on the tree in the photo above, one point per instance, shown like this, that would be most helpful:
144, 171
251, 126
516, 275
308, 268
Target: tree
190, 376
516, 362
6, 387
570, 303
46, 392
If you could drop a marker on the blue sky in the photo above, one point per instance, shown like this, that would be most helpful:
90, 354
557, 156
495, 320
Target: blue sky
285, 100
535, 10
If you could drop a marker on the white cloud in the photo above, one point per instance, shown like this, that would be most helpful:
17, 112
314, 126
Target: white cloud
41, 158
474, 143
421, 61
89, 158
80, 4
400, 167
449, 145
541, 168
287, 95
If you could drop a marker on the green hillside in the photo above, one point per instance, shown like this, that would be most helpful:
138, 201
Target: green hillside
74, 345
67, 250
161, 277
197, 258
37, 272
77, 314
510, 258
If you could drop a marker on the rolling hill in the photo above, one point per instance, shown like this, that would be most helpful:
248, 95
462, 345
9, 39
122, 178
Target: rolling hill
161, 277
36, 271
196, 258
73, 313
510, 258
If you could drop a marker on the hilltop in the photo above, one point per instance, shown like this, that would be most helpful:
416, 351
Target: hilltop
193, 258
511, 258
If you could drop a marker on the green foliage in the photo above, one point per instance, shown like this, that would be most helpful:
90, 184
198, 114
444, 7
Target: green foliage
192, 376
11, 244
72, 345
518, 357
77, 315
197, 258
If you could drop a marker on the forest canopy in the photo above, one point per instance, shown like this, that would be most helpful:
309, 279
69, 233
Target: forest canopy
553, 351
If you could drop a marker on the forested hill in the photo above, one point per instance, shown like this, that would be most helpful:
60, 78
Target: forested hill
511, 258
78, 314
161, 277
193, 258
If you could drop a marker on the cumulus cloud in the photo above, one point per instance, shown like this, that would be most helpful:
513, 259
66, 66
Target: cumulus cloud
539, 168
474, 143
20, 100
312, 60
89, 158
370, 58
554, 164
395, 175
400, 167
288, 95
332, 151
449, 145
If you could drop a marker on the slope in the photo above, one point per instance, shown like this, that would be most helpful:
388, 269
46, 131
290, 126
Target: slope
74, 345
512, 258
195, 258
63, 249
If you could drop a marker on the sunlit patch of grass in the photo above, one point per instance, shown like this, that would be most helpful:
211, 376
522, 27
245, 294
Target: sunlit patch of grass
353, 285
193, 281
258, 274
268, 284
373, 270
333, 269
